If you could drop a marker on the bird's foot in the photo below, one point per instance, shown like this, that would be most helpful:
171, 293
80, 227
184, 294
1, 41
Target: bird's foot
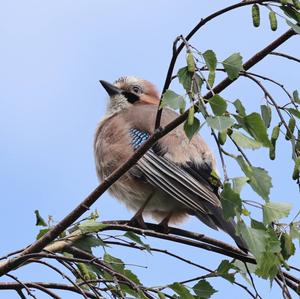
138, 221
163, 226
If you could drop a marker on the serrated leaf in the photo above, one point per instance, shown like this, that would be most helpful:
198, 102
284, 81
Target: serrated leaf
266, 113
223, 270
130, 275
217, 104
91, 226
231, 202
240, 266
116, 263
185, 78
210, 59
191, 130
220, 123
287, 246
272, 241
257, 224
267, 266
259, 179
240, 109
86, 243
257, 129
181, 290
273, 211
39, 219
244, 141
233, 65
42, 232
203, 289
238, 183
295, 27
255, 239
172, 99
135, 238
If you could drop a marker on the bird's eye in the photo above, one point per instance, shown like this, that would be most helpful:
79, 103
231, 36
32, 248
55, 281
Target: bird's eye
136, 89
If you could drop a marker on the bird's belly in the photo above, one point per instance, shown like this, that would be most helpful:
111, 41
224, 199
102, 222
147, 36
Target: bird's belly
159, 206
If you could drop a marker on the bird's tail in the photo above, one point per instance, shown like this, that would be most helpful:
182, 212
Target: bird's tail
229, 226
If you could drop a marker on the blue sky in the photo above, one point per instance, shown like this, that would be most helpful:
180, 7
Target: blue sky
52, 55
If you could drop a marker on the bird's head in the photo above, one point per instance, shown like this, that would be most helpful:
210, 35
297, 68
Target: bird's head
128, 91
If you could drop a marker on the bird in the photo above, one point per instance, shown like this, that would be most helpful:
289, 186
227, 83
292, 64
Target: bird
173, 179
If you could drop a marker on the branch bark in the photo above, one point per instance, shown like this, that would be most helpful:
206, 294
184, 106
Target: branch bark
37, 246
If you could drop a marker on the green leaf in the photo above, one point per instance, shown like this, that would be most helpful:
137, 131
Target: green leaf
185, 78
238, 183
172, 99
292, 13
181, 290
116, 263
255, 239
240, 109
210, 59
259, 179
211, 63
296, 96
240, 266
91, 226
287, 246
220, 123
244, 141
223, 270
42, 232
86, 243
39, 219
231, 202
217, 104
191, 130
211, 79
295, 112
295, 230
272, 241
203, 289
273, 211
295, 27
257, 129
266, 113
135, 238
257, 224
267, 266
233, 65
130, 275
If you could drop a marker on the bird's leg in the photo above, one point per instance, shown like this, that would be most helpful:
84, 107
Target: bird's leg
138, 220
163, 225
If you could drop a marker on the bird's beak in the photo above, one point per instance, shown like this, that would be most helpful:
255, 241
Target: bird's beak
110, 88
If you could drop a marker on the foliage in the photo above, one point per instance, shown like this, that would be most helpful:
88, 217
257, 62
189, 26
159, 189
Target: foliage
271, 239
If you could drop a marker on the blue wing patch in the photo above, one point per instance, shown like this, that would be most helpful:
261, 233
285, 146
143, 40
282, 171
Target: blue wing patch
138, 137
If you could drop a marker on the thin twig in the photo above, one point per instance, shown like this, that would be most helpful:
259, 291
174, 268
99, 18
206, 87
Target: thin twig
285, 56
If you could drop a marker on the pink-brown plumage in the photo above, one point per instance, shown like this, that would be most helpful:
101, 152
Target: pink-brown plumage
173, 177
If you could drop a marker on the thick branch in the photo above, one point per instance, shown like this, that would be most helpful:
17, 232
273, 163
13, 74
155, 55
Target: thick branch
44, 285
177, 51
87, 202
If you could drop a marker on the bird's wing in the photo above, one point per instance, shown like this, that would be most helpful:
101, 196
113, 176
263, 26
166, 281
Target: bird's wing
197, 195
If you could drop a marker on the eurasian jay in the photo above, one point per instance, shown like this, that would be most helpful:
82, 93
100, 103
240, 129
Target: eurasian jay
173, 179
